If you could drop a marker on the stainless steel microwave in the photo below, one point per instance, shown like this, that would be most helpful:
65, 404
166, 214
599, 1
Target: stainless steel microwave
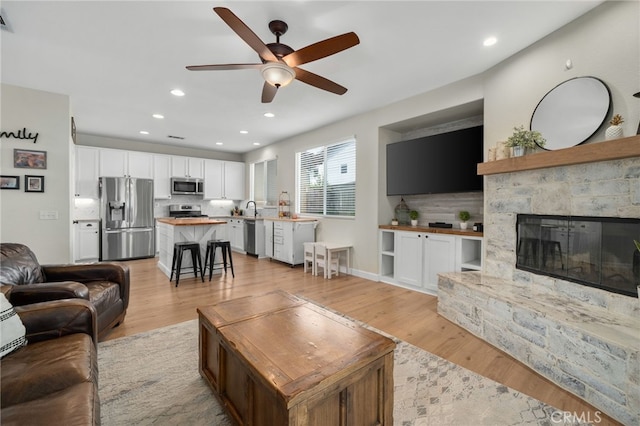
187, 186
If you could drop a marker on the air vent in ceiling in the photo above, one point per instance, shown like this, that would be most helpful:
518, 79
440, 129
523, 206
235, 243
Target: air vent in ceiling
175, 137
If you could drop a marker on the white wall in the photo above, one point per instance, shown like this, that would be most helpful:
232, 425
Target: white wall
49, 115
372, 205
604, 43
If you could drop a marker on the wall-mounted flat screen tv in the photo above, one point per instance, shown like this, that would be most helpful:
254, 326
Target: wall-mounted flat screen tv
436, 164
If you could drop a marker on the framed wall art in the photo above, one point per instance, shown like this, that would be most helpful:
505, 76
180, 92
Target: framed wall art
33, 183
28, 159
9, 182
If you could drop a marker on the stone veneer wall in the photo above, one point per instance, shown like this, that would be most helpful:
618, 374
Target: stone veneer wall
603, 189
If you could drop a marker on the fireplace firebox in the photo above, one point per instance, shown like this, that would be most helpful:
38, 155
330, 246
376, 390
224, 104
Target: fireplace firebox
594, 251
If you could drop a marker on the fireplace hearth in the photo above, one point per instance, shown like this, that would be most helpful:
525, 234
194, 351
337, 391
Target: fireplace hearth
593, 251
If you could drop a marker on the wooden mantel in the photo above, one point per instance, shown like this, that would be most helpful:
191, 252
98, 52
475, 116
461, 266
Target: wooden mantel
589, 153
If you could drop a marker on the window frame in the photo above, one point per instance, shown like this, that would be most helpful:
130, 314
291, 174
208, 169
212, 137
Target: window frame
350, 143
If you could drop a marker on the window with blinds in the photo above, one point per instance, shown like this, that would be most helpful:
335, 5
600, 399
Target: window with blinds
326, 180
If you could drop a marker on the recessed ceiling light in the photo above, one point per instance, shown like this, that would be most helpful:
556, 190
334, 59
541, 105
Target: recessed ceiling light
219, 143
490, 41
256, 143
269, 114
244, 132
177, 92
158, 116
144, 132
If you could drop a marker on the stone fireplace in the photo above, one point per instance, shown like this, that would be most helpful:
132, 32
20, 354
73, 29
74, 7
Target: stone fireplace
583, 338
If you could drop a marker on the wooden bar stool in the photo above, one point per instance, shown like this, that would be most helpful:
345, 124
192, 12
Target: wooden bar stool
176, 262
210, 257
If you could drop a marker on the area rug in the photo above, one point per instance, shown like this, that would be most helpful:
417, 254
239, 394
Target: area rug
152, 379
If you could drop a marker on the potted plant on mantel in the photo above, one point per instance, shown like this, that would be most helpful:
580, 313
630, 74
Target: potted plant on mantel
413, 215
523, 140
464, 216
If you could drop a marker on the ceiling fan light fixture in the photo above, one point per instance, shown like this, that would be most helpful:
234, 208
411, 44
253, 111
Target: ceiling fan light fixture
277, 74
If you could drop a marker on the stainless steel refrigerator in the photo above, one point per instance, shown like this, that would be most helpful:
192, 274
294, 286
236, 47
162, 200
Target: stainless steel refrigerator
126, 218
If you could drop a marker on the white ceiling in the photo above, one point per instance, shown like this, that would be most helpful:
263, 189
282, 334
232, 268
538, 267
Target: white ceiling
118, 60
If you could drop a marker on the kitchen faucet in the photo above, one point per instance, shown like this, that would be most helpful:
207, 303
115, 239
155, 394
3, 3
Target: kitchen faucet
255, 208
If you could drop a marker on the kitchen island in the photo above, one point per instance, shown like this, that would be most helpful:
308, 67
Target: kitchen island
175, 230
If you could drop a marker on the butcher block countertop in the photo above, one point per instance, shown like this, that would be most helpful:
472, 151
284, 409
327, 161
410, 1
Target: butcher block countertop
190, 221
452, 231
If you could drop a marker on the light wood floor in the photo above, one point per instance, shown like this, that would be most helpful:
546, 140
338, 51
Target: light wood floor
408, 315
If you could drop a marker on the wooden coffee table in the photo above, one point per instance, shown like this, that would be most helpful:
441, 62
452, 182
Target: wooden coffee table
276, 359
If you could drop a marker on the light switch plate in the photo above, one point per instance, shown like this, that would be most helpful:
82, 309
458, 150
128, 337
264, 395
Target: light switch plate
48, 215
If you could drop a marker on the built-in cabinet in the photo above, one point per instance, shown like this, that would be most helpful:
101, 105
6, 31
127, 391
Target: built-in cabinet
120, 163
187, 167
284, 239
414, 259
235, 228
162, 176
87, 241
87, 161
223, 180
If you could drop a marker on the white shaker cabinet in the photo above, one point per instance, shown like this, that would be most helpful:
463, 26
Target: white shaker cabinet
121, 163
439, 256
288, 239
162, 176
235, 228
409, 249
414, 259
223, 180
86, 179
87, 241
187, 167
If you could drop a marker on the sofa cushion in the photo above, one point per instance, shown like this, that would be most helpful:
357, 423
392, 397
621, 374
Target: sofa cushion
40, 369
12, 331
19, 265
78, 405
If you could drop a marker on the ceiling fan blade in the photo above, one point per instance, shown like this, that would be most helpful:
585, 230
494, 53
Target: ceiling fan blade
319, 82
268, 92
223, 67
321, 49
245, 33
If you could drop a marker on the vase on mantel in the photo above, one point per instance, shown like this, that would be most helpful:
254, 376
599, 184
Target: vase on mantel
613, 132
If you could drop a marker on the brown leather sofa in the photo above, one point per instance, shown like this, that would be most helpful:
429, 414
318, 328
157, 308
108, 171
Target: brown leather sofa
53, 380
105, 285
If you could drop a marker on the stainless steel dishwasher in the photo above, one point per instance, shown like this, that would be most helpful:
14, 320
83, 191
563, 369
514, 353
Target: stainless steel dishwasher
250, 237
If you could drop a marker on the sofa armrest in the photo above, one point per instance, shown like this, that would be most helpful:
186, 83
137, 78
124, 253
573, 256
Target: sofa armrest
34, 293
49, 320
83, 273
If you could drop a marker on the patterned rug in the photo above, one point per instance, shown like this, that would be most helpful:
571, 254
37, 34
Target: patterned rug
152, 379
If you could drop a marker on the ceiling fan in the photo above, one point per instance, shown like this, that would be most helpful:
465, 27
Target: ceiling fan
280, 62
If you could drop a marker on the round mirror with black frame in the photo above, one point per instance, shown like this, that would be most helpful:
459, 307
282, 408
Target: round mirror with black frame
572, 112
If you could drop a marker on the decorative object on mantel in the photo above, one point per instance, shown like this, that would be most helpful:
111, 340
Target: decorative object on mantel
615, 130
464, 216
637, 95
413, 215
402, 212
523, 140
572, 112
502, 150
394, 222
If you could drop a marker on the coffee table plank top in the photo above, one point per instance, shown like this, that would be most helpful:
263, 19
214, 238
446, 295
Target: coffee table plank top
294, 345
